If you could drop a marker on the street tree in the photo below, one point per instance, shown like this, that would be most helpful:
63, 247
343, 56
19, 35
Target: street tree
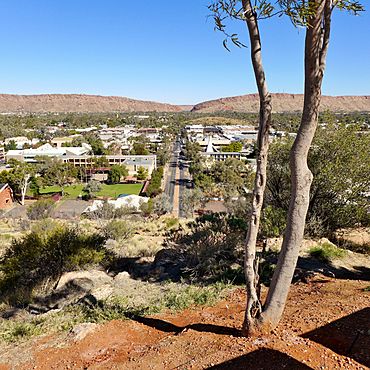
315, 16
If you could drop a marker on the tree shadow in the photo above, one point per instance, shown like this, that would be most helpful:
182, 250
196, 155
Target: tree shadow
168, 327
313, 264
262, 359
348, 336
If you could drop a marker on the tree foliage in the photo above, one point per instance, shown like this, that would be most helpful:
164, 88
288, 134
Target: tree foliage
116, 173
340, 163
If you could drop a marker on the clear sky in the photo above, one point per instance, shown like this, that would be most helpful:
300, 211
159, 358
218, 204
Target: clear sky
163, 50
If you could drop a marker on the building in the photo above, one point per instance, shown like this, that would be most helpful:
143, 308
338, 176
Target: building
60, 141
6, 196
132, 162
46, 150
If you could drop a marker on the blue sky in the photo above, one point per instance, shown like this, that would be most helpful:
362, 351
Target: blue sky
161, 50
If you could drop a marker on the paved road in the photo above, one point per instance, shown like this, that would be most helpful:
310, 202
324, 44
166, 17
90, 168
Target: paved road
171, 174
184, 183
177, 181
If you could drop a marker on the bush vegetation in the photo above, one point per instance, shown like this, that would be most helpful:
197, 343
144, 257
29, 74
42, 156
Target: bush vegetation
210, 246
118, 230
341, 179
40, 258
40, 209
154, 187
327, 252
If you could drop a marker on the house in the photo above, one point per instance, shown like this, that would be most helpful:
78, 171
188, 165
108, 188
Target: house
6, 196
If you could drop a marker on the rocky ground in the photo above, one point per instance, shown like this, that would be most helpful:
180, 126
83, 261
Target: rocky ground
326, 325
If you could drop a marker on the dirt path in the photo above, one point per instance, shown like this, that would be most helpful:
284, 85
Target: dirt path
326, 326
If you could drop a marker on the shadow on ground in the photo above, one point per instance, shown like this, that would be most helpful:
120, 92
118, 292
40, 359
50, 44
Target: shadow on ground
348, 336
312, 264
168, 327
262, 359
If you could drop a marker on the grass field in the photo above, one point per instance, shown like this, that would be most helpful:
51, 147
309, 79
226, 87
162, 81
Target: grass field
111, 191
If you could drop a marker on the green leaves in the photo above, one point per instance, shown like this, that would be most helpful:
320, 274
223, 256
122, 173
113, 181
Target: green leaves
353, 7
299, 12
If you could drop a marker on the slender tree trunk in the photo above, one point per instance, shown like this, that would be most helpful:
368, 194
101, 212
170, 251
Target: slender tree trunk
316, 44
253, 307
24, 188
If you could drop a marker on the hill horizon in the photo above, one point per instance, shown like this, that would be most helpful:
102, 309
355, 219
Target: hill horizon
89, 103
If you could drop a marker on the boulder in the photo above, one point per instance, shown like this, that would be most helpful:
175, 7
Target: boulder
80, 331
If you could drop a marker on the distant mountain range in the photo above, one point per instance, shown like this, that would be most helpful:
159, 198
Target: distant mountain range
284, 103
63, 103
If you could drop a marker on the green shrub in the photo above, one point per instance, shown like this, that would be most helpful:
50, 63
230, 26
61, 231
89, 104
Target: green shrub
327, 252
180, 299
108, 212
40, 258
273, 222
171, 222
118, 230
40, 209
14, 331
154, 187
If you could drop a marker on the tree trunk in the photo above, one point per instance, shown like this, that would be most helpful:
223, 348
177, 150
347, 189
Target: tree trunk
253, 307
316, 43
24, 188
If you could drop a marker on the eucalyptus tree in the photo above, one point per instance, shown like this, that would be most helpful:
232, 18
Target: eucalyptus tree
20, 176
315, 16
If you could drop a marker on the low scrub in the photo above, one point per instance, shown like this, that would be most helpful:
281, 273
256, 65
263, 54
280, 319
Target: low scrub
172, 297
41, 209
210, 246
39, 258
169, 296
327, 252
118, 230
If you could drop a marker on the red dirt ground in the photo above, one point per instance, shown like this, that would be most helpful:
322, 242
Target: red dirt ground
326, 325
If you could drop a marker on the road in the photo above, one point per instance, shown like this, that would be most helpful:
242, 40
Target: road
177, 179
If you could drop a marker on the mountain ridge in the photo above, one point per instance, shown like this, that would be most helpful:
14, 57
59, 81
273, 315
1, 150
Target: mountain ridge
83, 103
284, 102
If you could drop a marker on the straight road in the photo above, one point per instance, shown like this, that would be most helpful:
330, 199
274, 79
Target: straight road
171, 174
177, 180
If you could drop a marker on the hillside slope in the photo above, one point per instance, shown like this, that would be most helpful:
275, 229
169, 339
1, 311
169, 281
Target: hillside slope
284, 103
60, 103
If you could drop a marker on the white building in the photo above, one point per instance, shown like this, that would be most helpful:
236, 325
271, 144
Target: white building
46, 150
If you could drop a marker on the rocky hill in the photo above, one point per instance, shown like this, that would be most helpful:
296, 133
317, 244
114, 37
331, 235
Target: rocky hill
284, 103
63, 103
60, 103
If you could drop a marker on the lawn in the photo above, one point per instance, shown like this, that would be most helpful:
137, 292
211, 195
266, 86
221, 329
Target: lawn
111, 191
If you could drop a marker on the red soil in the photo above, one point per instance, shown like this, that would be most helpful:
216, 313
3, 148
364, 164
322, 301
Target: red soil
326, 325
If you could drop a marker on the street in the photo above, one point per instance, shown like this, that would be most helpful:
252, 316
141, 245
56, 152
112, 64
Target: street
177, 180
